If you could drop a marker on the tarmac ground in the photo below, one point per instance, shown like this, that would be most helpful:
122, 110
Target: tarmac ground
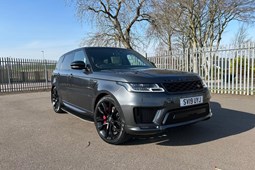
33, 136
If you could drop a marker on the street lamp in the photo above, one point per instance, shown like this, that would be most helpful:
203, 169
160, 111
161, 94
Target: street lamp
45, 69
42, 55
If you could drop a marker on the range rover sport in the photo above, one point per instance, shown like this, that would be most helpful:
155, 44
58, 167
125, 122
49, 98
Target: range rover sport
126, 94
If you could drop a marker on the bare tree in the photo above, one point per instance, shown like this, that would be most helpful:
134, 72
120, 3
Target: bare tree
162, 28
241, 36
203, 22
116, 20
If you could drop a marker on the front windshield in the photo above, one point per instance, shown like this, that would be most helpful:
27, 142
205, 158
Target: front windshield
116, 58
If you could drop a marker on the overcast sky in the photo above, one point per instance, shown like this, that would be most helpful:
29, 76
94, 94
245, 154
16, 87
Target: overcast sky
28, 27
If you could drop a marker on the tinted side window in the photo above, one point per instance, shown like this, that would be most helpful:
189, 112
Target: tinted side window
66, 65
79, 56
134, 61
58, 66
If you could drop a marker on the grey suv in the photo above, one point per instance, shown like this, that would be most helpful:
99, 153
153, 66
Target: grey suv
126, 94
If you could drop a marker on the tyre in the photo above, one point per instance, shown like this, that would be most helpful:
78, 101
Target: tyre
55, 100
109, 121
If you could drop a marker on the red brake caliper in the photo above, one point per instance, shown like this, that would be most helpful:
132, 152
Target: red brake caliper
104, 118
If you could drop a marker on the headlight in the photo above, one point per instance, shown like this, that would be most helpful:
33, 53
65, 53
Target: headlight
142, 87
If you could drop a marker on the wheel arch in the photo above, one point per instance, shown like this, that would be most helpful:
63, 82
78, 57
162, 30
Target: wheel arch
103, 94
100, 96
52, 87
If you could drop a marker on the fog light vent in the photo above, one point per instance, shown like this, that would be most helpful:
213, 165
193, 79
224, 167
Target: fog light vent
144, 115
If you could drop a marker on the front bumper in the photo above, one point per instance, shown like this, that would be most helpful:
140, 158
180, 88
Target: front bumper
152, 113
154, 128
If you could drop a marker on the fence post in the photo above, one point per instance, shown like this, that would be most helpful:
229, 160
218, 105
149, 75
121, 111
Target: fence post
252, 68
46, 76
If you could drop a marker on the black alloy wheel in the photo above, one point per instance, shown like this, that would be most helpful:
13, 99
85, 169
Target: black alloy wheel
55, 100
109, 122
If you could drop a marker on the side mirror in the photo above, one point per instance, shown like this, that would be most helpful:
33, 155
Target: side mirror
78, 65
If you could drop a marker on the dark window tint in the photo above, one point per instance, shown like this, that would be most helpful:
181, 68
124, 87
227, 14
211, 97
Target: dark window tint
79, 56
66, 65
112, 58
58, 66
135, 61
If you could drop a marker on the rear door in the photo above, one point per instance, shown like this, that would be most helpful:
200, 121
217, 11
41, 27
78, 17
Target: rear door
65, 77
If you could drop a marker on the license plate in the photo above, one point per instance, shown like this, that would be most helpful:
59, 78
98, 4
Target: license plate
191, 101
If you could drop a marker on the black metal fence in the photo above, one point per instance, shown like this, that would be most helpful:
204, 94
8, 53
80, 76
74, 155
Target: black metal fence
18, 75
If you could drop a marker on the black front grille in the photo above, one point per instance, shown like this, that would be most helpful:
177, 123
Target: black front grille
144, 115
183, 86
187, 114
